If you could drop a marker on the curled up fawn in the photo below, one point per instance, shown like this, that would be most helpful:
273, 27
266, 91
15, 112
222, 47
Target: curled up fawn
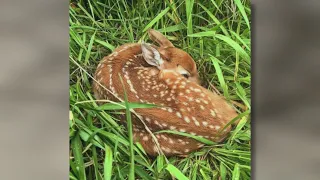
166, 76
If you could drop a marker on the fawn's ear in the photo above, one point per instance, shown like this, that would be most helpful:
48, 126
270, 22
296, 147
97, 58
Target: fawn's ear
159, 38
151, 55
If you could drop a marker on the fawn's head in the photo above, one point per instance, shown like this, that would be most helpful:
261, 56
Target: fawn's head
166, 56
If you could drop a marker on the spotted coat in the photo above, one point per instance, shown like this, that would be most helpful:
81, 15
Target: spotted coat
185, 106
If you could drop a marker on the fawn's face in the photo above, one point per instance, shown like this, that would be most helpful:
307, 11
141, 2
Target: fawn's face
168, 57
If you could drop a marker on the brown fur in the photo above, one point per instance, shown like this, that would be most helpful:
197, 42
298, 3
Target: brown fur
187, 107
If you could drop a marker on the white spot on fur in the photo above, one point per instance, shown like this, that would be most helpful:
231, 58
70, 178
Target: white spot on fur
164, 137
213, 114
155, 148
197, 90
156, 122
205, 123
145, 138
200, 145
166, 149
197, 123
186, 119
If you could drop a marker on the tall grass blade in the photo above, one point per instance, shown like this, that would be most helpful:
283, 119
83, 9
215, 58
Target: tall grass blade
156, 19
220, 76
236, 172
215, 19
108, 163
89, 48
176, 172
130, 132
189, 7
235, 119
223, 171
235, 46
76, 146
242, 11
203, 34
172, 28
122, 105
105, 44
240, 125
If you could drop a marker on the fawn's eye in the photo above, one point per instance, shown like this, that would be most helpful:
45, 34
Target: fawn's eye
183, 71
185, 75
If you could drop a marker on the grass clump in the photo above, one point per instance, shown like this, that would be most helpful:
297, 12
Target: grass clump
216, 33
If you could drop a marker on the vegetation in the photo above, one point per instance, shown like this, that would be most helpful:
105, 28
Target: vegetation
216, 33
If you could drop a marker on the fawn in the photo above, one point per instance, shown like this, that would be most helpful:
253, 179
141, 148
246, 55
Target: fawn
168, 77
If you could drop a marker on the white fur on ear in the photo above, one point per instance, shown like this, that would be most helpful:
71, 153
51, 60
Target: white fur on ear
151, 55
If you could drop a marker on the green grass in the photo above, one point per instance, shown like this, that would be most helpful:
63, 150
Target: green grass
215, 33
